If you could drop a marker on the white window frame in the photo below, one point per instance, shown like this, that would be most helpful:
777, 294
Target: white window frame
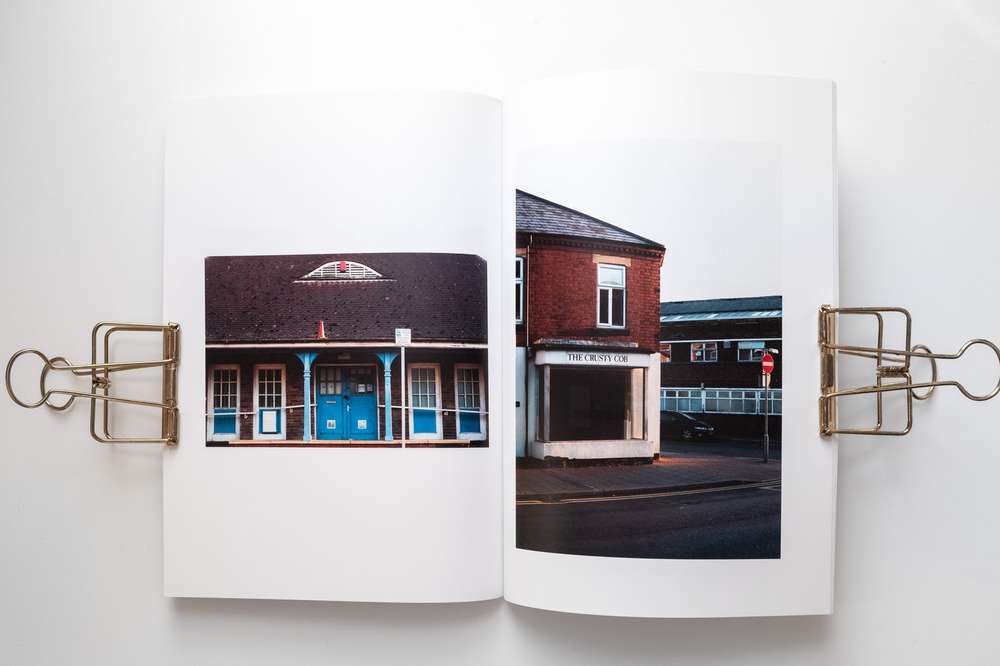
611, 289
705, 346
739, 348
482, 403
519, 282
439, 434
210, 434
256, 400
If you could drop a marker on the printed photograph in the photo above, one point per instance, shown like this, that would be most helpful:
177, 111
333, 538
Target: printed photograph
648, 355
346, 350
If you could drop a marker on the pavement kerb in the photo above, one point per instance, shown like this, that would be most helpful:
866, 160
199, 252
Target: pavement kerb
623, 492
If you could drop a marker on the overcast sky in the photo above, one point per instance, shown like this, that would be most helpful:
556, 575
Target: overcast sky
714, 205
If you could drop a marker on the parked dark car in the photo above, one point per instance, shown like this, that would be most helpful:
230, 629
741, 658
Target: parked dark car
675, 425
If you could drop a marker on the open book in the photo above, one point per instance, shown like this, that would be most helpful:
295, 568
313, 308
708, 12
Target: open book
558, 348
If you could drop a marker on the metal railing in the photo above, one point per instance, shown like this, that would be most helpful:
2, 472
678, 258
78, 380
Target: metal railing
719, 400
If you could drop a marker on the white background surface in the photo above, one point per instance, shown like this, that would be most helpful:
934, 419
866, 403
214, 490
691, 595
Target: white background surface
84, 92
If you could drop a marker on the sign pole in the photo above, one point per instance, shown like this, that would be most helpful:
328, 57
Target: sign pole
766, 367
403, 337
767, 414
402, 386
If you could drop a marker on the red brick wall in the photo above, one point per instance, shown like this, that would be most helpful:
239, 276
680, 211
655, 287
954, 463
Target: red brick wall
727, 372
562, 293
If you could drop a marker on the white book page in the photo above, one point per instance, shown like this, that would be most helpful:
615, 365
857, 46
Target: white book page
735, 177
337, 177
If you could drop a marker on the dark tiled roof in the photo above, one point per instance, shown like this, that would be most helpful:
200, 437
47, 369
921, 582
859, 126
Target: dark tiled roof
441, 297
753, 303
540, 216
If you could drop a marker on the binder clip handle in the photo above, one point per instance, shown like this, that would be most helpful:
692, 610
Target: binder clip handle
46, 395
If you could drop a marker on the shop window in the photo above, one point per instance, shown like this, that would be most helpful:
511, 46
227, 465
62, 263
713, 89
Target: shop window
610, 296
518, 290
595, 404
750, 350
704, 352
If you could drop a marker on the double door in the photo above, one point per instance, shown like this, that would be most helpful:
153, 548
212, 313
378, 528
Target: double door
345, 402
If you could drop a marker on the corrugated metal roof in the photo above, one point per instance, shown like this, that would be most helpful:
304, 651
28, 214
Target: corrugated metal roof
541, 216
704, 316
717, 305
753, 307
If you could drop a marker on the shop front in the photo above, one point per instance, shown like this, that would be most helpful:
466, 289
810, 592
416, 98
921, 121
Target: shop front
593, 404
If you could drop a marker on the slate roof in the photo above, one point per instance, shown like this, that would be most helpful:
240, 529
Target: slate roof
540, 216
755, 307
441, 297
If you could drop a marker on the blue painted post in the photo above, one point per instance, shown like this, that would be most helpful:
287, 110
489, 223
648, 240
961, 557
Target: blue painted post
387, 358
307, 359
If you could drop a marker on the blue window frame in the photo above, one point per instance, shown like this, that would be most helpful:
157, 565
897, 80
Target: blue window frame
223, 402
425, 400
469, 401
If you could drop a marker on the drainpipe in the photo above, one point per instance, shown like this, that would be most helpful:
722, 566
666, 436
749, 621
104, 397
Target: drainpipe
527, 338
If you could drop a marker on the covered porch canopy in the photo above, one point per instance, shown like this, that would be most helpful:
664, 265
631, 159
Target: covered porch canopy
386, 353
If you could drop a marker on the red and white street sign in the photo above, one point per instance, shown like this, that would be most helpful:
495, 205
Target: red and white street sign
767, 364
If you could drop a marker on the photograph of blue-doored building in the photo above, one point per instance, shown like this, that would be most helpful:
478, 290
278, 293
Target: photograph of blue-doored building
373, 350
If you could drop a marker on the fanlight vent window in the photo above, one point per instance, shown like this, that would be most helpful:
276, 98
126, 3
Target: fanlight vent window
343, 270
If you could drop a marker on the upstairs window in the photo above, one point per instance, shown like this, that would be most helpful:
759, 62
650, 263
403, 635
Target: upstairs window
610, 296
665, 351
342, 270
704, 352
750, 350
519, 290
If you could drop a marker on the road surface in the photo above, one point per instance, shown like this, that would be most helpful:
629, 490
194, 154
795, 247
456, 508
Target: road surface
717, 524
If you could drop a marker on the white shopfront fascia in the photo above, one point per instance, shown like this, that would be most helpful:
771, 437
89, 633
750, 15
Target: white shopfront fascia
603, 359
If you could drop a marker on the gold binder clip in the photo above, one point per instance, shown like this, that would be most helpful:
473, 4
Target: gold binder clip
889, 364
100, 372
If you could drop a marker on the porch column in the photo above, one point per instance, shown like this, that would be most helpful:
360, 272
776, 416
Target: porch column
307, 359
387, 358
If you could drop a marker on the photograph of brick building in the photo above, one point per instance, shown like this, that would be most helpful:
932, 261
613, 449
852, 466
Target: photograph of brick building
587, 297
308, 350
640, 427
710, 353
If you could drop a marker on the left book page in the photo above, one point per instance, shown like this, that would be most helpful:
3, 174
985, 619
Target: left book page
332, 260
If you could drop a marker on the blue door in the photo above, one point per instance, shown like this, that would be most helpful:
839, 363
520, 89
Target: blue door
225, 382
345, 403
424, 402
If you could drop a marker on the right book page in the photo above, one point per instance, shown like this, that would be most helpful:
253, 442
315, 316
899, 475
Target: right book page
672, 238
